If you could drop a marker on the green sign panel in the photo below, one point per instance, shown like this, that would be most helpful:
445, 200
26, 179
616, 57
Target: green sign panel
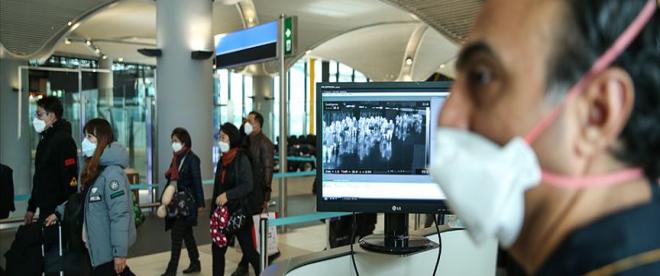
289, 34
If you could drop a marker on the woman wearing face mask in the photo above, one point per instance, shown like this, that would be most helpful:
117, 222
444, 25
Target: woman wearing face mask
185, 172
233, 183
109, 226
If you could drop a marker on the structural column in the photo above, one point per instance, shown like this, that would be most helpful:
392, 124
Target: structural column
263, 102
184, 85
106, 83
15, 151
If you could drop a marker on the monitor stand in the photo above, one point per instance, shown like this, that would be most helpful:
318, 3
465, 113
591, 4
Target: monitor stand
396, 240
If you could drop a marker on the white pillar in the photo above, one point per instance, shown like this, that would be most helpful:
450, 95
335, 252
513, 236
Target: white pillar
263, 101
106, 83
184, 86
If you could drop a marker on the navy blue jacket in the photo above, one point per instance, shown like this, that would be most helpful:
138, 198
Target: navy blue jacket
190, 178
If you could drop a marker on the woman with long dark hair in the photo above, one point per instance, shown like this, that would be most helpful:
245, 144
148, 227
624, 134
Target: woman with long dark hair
233, 183
109, 226
185, 173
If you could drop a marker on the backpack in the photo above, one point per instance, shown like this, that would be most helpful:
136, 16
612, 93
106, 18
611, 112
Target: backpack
73, 222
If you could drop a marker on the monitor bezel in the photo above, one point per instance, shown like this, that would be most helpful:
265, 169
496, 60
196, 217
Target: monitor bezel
372, 205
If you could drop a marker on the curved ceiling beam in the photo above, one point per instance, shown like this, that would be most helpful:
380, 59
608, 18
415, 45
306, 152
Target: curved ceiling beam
273, 68
410, 54
451, 18
47, 46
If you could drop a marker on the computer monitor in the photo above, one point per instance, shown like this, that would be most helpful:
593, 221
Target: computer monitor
375, 143
375, 146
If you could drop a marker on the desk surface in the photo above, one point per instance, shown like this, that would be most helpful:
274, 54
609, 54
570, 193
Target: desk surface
459, 257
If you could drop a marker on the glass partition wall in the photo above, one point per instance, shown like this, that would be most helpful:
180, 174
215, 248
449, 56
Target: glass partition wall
125, 96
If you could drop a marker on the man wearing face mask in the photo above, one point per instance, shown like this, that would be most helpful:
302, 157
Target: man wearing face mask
550, 140
55, 164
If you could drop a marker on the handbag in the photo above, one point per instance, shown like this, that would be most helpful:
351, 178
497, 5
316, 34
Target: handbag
236, 221
182, 202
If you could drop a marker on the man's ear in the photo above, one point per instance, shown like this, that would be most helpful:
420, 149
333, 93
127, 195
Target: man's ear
607, 103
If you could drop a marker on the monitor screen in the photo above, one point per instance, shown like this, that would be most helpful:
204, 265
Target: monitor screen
375, 146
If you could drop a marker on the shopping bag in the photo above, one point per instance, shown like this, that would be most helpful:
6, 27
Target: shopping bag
272, 234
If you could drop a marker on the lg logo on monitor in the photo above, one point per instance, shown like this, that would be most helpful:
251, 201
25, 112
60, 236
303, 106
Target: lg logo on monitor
396, 208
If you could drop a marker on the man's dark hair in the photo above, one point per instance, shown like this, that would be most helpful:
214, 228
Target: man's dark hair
52, 104
258, 117
183, 136
588, 29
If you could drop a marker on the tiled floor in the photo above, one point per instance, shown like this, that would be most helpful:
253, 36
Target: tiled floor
297, 242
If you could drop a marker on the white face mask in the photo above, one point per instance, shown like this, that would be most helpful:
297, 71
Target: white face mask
39, 125
224, 147
88, 148
248, 128
484, 182
176, 146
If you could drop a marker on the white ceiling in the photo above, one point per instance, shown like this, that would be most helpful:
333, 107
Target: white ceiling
375, 51
369, 35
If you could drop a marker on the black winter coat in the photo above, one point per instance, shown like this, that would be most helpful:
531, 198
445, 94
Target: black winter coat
238, 183
6, 191
55, 169
190, 178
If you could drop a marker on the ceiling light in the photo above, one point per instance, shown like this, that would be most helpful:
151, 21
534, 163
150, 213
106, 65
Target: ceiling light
442, 66
308, 52
67, 41
104, 57
250, 19
97, 50
120, 59
88, 42
409, 61
69, 23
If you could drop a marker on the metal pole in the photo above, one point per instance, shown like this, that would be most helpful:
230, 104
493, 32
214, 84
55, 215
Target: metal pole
416, 222
283, 125
263, 243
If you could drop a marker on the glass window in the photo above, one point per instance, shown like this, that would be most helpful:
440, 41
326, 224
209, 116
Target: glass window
297, 91
345, 73
359, 77
236, 99
249, 92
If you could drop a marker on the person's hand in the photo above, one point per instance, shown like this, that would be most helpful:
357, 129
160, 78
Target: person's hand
221, 200
120, 264
50, 220
29, 216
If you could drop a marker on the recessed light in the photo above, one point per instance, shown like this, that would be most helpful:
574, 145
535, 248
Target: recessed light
120, 59
409, 61
88, 42
442, 66
69, 23
67, 41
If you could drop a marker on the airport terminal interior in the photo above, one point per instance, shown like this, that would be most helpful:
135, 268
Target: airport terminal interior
349, 93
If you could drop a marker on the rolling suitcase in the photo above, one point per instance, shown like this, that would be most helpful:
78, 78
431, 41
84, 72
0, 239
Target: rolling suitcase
53, 256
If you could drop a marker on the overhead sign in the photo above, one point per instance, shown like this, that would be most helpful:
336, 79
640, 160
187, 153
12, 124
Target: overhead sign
289, 35
251, 45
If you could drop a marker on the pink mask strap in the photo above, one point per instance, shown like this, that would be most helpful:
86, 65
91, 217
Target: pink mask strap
601, 64
591, 181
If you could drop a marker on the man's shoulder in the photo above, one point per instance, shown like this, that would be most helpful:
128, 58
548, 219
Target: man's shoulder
264, 139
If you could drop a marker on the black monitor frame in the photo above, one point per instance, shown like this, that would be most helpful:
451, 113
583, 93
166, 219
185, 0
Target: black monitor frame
389, 206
